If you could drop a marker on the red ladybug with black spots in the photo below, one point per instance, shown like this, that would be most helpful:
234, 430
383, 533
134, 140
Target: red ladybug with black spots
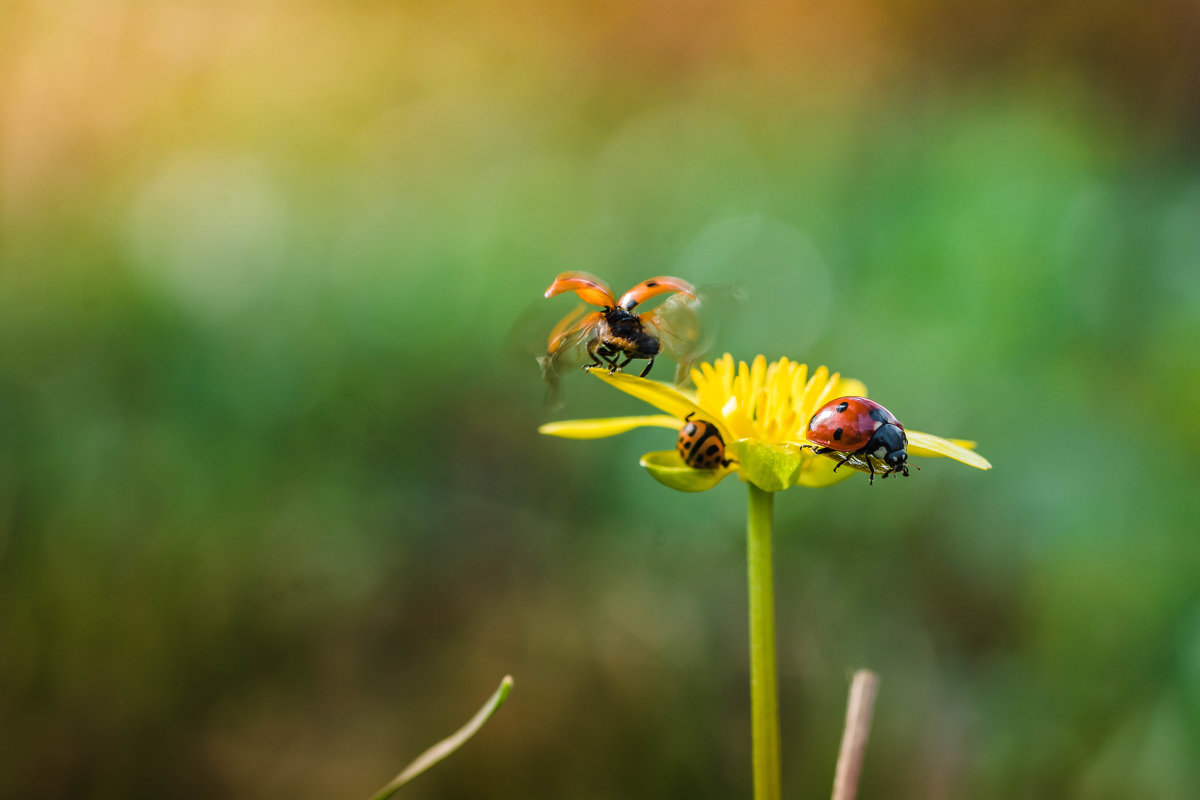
861, 432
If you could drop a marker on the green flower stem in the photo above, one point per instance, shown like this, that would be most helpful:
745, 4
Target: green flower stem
764, 693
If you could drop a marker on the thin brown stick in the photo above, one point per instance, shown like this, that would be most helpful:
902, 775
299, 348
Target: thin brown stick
854, 738
448, 745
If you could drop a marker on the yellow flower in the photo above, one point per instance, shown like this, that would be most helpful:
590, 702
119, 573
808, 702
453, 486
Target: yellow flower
762, 411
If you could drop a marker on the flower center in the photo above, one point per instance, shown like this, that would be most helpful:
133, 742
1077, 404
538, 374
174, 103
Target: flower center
768, 402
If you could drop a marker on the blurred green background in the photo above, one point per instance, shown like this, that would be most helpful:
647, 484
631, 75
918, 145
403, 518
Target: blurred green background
273, 513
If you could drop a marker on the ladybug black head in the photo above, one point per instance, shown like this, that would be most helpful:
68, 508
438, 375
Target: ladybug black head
889, 439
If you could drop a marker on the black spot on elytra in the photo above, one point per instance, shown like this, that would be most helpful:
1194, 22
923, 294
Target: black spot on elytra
879, 415
837, 435
651, 284
842, 406
712, 450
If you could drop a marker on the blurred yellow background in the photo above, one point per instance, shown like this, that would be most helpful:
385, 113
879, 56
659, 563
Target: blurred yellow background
274, 516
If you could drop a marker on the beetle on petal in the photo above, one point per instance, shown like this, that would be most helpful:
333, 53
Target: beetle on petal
701, 445
861, 433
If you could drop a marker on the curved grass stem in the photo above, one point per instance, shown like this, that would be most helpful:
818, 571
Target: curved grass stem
764, 692
854, 739
448, 745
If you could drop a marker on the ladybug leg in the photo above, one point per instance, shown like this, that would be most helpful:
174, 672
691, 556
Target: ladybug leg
621, 367
646, 371
871, 467
602, 355
593, 348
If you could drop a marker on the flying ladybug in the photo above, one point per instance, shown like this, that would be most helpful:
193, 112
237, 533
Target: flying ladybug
861, 433
616, 335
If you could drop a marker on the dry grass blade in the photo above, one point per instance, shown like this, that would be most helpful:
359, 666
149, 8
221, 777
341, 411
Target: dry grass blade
854, 740
448, 745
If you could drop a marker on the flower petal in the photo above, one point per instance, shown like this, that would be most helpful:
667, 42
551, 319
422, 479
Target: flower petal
609, 426
925, 444
661, 396
818, 472
666, 467
851, 387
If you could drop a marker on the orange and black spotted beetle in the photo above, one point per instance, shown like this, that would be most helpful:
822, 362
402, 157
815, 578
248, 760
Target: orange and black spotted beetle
700, 444
617, 331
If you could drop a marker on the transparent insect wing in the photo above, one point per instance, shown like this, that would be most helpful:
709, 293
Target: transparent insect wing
862, 462
677, 324
537, 325
565, 352
565, 346
570, 326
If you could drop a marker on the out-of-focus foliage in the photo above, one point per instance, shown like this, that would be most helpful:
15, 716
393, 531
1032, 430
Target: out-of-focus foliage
273, 508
